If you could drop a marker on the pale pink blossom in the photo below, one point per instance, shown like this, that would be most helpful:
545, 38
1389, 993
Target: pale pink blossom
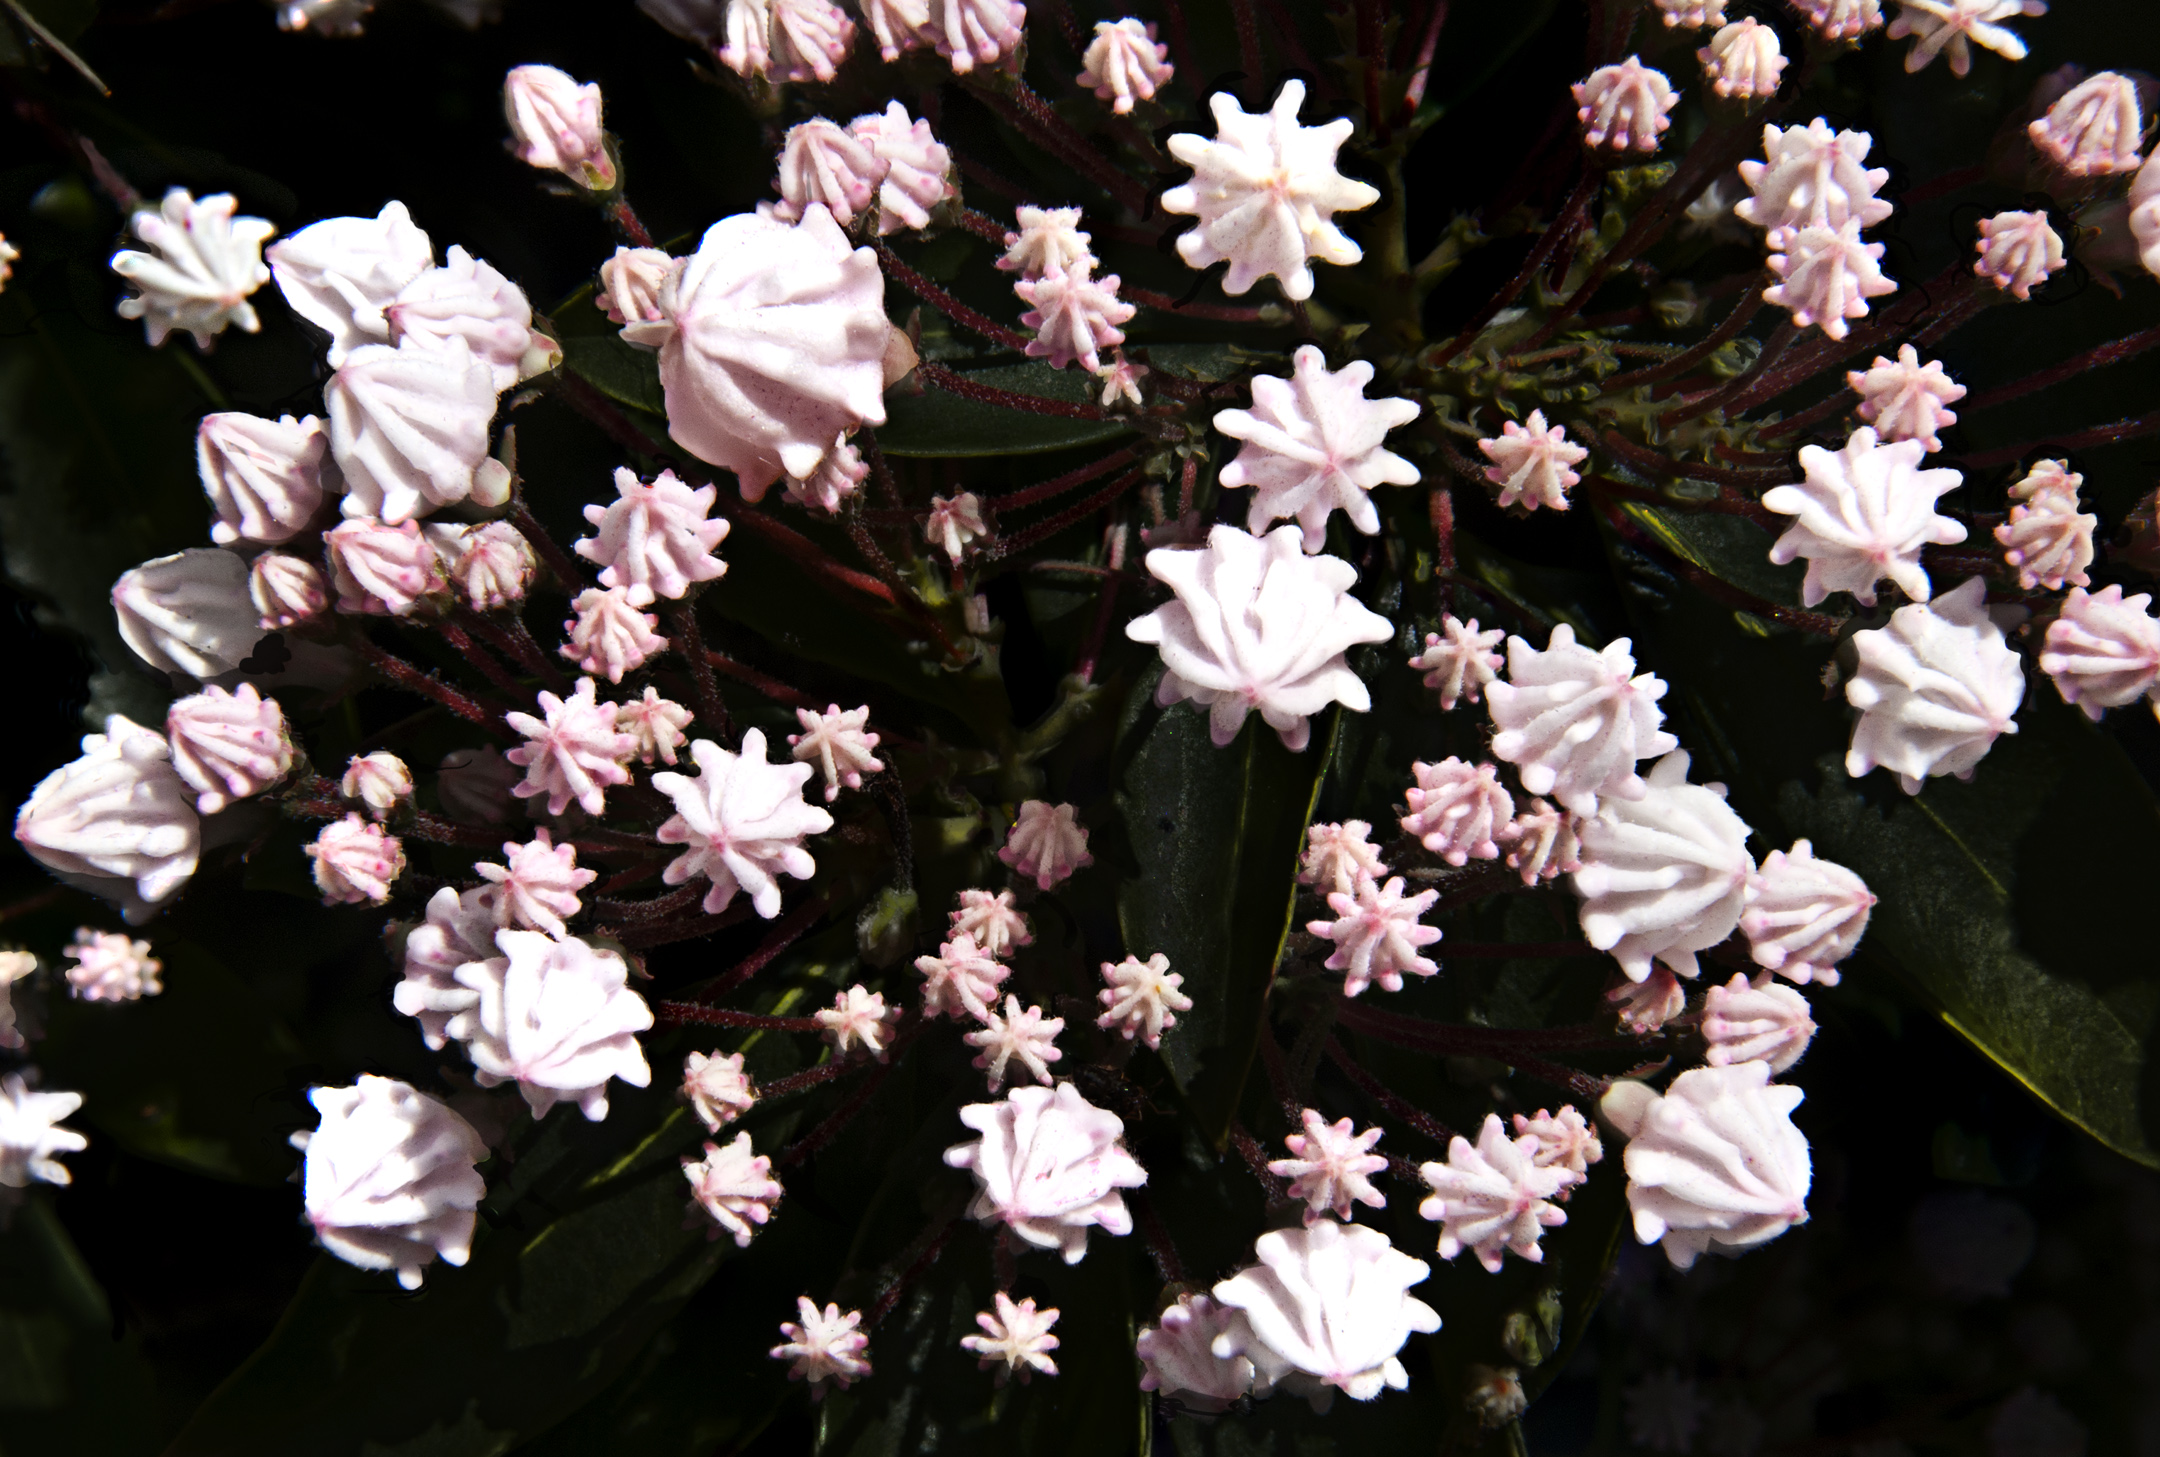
1022, 1036
918, 175
1493, 1197
962, 977
1141, 999
2046, 537
1804, 915
574, 752
1377, 935
1743, 60
2018, 251
31, 1138
1125, 64
379, 782
1715, 1164
955, 523
1016, 1339
838, 742
202, 265
460, 927
826, 1346
735, 1186
228, 746
109, 967
1826, 276
630, 285
1265, 191
1338, 856
1574, 720
189, 612
1842, 19
383, 570
1645, 1006
1905, 399
1457, 809
2103, 651
1763, 1022
857, 1018
355, 862
1121, 382
1547, 843
1663, 876
977, 32
656, 723
1073, 314
1691, 14
1863, 513
555, 125
1566, 1141
1048, 1166
339, 274
1047, 843
539, 887
555, 1016
264, 477
785, 40
823, 162
1532, 464
409, 426
286, 591
991, 919
389, 1177
654, 540
1811, 176
1178, 1360
119, 811
2094, 129
1953, 27
1313, 443
1935, 689
609, 637
491, 565
717, 1089
838, 476
1330, 1301
1330, 1167
475, 785
742, 822
1459, 660
899, 25
2144, 219
1049, 241
1624, 107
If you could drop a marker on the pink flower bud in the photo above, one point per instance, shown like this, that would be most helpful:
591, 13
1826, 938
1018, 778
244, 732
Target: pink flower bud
119, 811
1125, 64
630, 285
492, 565
1743, 60
2018, 251
1763, 1022
821, 162
393, 468
1074, 316
382, 570
188, 612
109, 967
228, 746
838, 476
355, 862
609, 637
1624, 107
263, 477
379, 781
918, 168
555, 125
286, 590
469, 299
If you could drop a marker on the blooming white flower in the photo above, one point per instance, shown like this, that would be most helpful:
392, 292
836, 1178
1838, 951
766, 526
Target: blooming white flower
954, 523
962, 977
383, 569
654, 540
1841, 19
460, 927
469, 299
576, 752
31, 1138
1715, 1164
2018, 251
1457, 809
263, 477
991, 920
1647, 1005
409, 426
1377, 934
1760, 1022
1312, 443
1338, 856
2047, 538
1953, 27
858, 1017
557, 1017
539, 887
1934, 689
203, 264
918, 167
1266, 190
491, 564
1258, 624
120, 811
1905, 399
109, 967
475, 785
1459, 660
1141, 998
609, 637
286, 590
735, 1186
1863, 513
1532, 464
355, 862
389, 1179
1691, 14
1330, 1167
1804, 915
1178, 1360
1574, 720
838, 476
1493, 1197
1811, 176
339, 274
839, 744
826, 1346
1125, 63
1046, 844
1332, 1301
1547, 843
742, 821
823, 162
1743, 60
1048, 1166
2103, 651
228, 746
555, 125
2094, 128
1026, 1037
1664, 876
1624, 107
785, 40
1565, 1140
630, 283
1016, 1339
1049, 241
380, 782
189, 612
717, 1088
1074, 315
1826, 276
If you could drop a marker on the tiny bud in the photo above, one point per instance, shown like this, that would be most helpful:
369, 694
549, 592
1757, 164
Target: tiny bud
555, 125
379, 781
286, 590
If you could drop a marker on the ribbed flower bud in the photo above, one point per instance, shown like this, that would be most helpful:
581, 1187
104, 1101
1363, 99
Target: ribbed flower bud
228, 746
555, 125
263, 477
381, 569
118, 811
189, 612
286, 590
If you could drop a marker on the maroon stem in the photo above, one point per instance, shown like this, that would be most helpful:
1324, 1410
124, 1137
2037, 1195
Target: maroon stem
889, 1298
624, 219
693, 1014
1105, 608
1256, 1160
1160, 1248
1414, 93
1218, 313
480, 658
560, 562
689, 642
984, 226
2113, 352
658, 908
809, 555
1035, 116
687, 928
1050, 526
1278, 1076
808, 1078
2092, 439
1418, 1119
1652, 463
785, 933
1059, 485
516, 642
1571, 214
1743, 313
771, 688
843, 1115
440, 831
967, 318
1936, 187
1179, 40
967, 389
1248, 41
1688, 407
427, 685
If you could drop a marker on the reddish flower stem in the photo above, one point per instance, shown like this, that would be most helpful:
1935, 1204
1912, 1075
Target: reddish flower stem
1219, 313
1159, 1245
975, 323
1050, 526
984, 226
1278, 1076
688, 640
1571, 214
560, 562
1091, 654
692, 1014
1688, 407
809, 1078
843, 1115
1035, 116
1651, 463
1742, 315
954, 383
2092, 439
624, 220
1256, 1160
1059, 485
657, 908
438, 831
1717, 588
1248, 41
1417, 1118
771, 688
480, 658
785, 933
2130, 346
686, 928
1179, 40
1414, 93
427, 685
888, 1299
1939, 186
810, 555
516, 642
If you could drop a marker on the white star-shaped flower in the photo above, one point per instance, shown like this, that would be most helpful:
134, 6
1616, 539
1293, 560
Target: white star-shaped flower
1573, 720
858, 1017
839, 743
1049, 240
1048, 1166
656, 723
1811, 176
718, 1089
539, 887
1547, 843
954, 523
1623, 108
1862, 514
1826, 275
389, 1177
2047, 538
1141, 998
743, 821
556, 1016
575, 752
1566, 1141
1743, 60
1016, 1339
1935, 689
1532, 464
1761, 1022
1905, 399
2094, 129
1330, 1302
1074, 315
735, 1186
1458, 660
1338, 856
828, 1345
1458, 810
1377, 935
1329, 1167
654, 540
31, 1137
1953, 27
109, 967
2103, 651
1023, 1036
1493, 1197
1047, 843
962, 977
609, 637
203, 264
991, 919
1125, 63
1312, 443
2018, 251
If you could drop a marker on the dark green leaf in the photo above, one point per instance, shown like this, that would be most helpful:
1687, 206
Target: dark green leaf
621, 371
934, 423
68, 1387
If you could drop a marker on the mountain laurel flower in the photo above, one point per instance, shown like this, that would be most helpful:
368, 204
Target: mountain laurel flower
717, 1089
1691, 14
1331, 1301
1623, 108
263, 477
1258, 624
539, 888
15, 966
838, 476
990, 918
776, 41
1841, 19
1565, 1140
1547, 843
1664, 876
189, 612
858, 1018
1330, 1167
1531, 464
1048, 1167
1121, 381
2103, 650
630, 285
409, 426
2046, 538
2094, 129
1493, 1197
838, 742
1826, 276
655, 540
1743, 61
1049, 241
574, 753
823, 162
1312, 443
202, 265
1015, 1339
1074, 315
491, 566
1760, 1022
735, 1187
1458, 809
1337, 857
826, 1346
1265, 191
1905, 399
1046, 843
1020, 1036
1178, 1360
379, 782
1715, 1163
955, 523
389, 1177
382, 569
609, 637
1863, 513
1951, 28
1645, 1006
557, 1017
2144, 219
918, 167
555, 125
1811, 176
339, 274
31, 1138
1141, 999
355, 862
469, 299
1125, 64
1935, 689
772, 344
119, 811
286, 591
460, 927
742, 822
962, 977
1377, 934
1574, 720
228, 745
2018, 251
977, 32
475, 785
1804, 915
1459, 660
109, 967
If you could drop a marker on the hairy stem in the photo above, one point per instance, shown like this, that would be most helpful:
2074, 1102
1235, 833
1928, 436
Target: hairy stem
689, 643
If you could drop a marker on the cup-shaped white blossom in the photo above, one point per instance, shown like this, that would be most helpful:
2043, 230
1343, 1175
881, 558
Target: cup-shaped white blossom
389, 1179
918, 167
1258, 624
228, 746
1377, 934
1331, 1301
1048, 1167
339, 274
858, 1019
838, 742
772, 345
1623, 108
1811, 176
2018, 252
202, 265
1863, 513
717, 1089
490, 565
1141, 999
263, 477
1015, 1339
1715, 1164
1047, 843
2093, 129
1804, 915
460, 927
654, 540
119, 811
735, 1186
1762, 1022
189, 612
1574, 720
2103, 651
1458, 810
111, 967
630, 285
1312, 443
1330, 1167
1266, 191
955, 523
409, 426
1547, 843
1493, 1196
1178, 1359
1531, 464
1951, 28
1664, 876
383, 569
1125, 63
1121, 381
1049, 239
1935, 689
656, 723
1826, 276
1338, 856
469, 299
2047, 538
355, 862
1743, 60
992, 920
1458, 661
1074, 315
475, 785
1905, 399
742, 822
555, 125
1841, 19
1022, 1039
286, 591
557, 1017
824, 162
962, 977
31, 1138
827, 1346
574, 753
608, 636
